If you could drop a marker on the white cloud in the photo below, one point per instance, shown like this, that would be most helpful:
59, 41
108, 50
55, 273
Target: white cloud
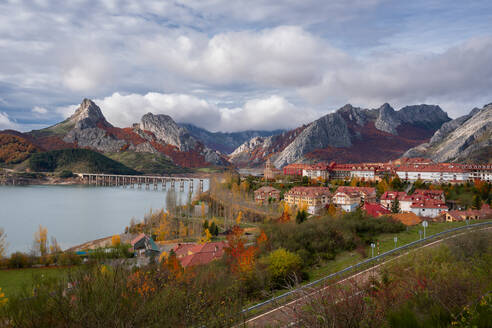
268, 113
39, 110
6, 123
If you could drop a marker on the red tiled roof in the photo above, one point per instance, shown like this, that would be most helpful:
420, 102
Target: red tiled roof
266, 189
392, 195
375, 210
199, 254
137, 239
441, 167
429, 203
366, 190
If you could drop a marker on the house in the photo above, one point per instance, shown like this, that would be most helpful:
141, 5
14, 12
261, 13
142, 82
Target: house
428, 207
438, 173
144, 245
266, 194
375, 209
364, 172
340, 171
199, 254
367, 194
294, 169
347, 200
436, 194
317, 171
388, 197
483, 213
408, 219
315, 198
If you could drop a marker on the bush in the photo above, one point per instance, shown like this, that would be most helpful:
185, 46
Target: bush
283, 265
19, 260
66, 174
69, 258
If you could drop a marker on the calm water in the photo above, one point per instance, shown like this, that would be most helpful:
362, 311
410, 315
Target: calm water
75, 214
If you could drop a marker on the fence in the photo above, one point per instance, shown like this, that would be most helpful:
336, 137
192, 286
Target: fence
274, 300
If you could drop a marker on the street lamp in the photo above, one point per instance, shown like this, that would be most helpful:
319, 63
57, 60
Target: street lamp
372, 248
425, 224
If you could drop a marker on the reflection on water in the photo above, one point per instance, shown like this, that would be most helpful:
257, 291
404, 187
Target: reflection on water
75, 214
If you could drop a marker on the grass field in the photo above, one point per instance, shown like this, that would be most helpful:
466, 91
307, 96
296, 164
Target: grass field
12, 281
386, 243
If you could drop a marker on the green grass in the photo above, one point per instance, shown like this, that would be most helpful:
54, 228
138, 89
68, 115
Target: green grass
12, 281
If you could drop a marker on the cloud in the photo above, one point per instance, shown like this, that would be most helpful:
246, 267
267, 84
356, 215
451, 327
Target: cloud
39, 110
461, 73
6, 123
268, 113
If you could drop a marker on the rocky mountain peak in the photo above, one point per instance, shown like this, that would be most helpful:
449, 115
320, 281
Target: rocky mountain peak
164, 128
429, 116
387, 120
88, 115
354, 114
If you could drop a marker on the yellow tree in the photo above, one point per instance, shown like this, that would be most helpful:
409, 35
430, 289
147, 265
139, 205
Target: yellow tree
164, 230
41, 240
207, 238
239, 217
183, 230
3, 243
115, 240
332, 210
54, 247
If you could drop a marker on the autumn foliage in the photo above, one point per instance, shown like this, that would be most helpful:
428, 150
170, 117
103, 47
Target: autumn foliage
241, 259
14, 149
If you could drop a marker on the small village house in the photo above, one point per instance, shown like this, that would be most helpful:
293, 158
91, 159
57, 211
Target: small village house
375, 209
190, 255
349, 198
267, 194
430, 208
144, 245
314, 198
388, 198
483, 213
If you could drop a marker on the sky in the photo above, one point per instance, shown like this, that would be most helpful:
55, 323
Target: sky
228, 65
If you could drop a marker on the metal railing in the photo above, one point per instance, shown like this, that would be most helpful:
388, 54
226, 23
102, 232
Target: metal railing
361, 264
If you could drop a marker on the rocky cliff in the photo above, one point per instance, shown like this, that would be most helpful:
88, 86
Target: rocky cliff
225, 142
351, 134
157, 134
465, 139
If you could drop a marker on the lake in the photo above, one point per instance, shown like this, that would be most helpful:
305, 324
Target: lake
75, 214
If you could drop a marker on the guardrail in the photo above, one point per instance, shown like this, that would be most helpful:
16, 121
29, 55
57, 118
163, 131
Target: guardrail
360, 264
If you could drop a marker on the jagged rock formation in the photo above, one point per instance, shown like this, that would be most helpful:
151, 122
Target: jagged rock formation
225, 142
350, 134
157, 134
465, 139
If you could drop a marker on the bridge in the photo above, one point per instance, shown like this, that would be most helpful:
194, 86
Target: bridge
141, 180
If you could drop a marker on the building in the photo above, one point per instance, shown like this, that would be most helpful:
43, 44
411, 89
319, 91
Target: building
436, 173
484, 212
295, 169
315, 198
364, 172
479, 172
144, 245
347, 200
270, 171
375, 209
388, 197
430, 208
436, 194
266, 194
367, 194
317, 171
341, 171
422, 196
199, 254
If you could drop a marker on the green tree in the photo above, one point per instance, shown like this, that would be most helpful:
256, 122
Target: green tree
395, 207
477, 202
214, 230
301, 216
282, 264
205, 225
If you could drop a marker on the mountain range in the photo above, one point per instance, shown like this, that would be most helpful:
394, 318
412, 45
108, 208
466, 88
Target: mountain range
157, 144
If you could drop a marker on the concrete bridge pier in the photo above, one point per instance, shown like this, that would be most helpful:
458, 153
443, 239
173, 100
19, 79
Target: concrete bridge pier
164, 184
181, 185
200, 187
192, 185
172, 184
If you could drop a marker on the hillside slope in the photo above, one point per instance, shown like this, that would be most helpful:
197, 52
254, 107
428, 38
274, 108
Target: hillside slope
350, 134
15, 149
465, 139
76, 160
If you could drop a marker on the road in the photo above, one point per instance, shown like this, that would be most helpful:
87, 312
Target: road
284, 316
